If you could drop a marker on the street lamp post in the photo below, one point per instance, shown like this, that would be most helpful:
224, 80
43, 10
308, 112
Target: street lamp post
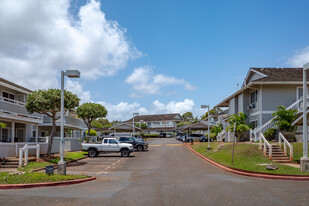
208, 138
70, 74
133, 127
304, 161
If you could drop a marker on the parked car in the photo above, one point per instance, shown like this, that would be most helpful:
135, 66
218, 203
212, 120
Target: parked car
163, 134
108, 145
200, 137
138, 144
180, 136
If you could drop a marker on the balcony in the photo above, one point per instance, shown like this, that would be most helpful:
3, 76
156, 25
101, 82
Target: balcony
15, 110
69, 121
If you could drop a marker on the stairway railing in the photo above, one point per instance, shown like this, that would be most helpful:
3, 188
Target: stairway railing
285, 143
270, 123
266, 143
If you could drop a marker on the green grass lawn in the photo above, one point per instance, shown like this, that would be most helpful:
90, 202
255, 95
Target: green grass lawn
297, 151
247, 157
36, 177
68, 156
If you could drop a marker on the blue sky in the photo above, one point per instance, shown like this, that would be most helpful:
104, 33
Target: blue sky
196, 50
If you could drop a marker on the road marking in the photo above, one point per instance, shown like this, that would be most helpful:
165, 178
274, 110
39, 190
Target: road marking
165, 145
99, 173
107, 167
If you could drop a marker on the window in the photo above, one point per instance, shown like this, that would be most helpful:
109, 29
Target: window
254, 99
112, 141
156, 123
254, 124
105, 141
5, 135
8, 96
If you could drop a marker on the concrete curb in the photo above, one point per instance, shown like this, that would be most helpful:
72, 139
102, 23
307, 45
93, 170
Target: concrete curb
251, 173
45, 184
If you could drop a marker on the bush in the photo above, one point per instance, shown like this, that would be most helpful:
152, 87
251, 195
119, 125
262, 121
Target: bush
270, 134
92, 133
290, 136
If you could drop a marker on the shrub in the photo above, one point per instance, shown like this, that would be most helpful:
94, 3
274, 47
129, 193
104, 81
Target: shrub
270, 134
289, 136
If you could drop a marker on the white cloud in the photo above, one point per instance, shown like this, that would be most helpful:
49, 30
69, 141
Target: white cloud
145, 81
39, 38
173, 107
76, 88
300, 58
124, 110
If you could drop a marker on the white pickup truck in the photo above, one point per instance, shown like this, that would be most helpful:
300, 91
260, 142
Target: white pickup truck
108, 145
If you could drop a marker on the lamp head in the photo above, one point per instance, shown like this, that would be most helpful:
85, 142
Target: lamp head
72, 73
204, 106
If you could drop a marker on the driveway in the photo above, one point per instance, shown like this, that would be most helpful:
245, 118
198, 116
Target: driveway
168, 174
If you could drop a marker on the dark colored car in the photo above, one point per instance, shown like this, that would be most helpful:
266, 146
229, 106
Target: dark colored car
202, 138
138, 144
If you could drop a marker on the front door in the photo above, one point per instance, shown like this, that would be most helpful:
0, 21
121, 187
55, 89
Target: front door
20, 134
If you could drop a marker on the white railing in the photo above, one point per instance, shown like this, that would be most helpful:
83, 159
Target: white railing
266, 143
270, 123
286, 143
25, 150
12, 101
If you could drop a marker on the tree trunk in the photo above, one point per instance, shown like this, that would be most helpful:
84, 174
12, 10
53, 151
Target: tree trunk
88, 133
52, 134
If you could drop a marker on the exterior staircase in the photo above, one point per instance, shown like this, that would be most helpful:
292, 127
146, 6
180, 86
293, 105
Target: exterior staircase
278, 154
12, 162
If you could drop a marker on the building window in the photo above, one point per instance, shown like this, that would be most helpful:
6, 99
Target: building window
254, 124
5, 135
8, 96
253, 99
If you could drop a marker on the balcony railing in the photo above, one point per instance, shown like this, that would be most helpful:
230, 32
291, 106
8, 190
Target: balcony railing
17, 109
67, 120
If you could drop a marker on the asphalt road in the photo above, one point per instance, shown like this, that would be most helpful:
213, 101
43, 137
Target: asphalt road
167, 174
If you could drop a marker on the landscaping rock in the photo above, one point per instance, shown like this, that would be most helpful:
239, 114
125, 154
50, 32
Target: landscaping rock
17, 173
220, 146
271, 167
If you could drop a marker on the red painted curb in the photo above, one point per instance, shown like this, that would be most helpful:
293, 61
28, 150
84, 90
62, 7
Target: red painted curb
251, 173
46, 184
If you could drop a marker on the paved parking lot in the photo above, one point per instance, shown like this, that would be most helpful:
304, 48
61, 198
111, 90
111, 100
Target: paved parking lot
168, 174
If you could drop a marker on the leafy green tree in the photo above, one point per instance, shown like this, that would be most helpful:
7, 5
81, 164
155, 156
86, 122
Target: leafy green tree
48, 102
92, 133
142, 125
241, 125
96, 124
90, 112
188, 117
2, 125
183, 123
284, 118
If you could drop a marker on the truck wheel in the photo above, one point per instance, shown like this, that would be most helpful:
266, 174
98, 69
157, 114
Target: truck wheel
140, 148
92, 153
204, 140
125, 153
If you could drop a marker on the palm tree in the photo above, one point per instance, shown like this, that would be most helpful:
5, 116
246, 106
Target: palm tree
284, 118
216, 129
241, 125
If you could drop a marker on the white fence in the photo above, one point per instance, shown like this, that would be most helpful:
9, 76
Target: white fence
12, 149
